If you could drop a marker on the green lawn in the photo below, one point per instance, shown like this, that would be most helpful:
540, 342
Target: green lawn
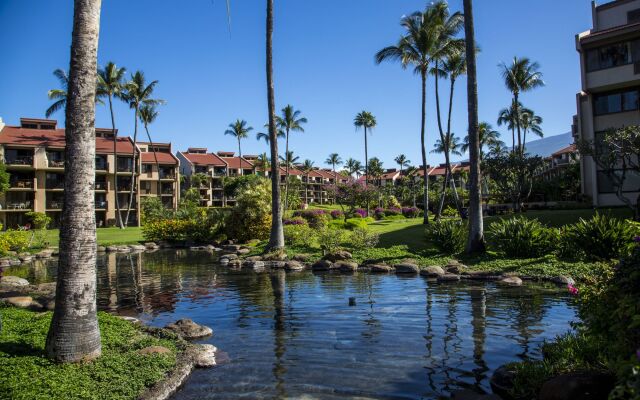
106, 236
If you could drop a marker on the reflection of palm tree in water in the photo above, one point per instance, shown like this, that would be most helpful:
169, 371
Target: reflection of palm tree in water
277, 286
431, 371
478, 323
450, 336
530, 311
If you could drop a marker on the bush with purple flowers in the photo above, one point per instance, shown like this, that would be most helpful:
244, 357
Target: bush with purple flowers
360, 213
294, 221
337, 214
411, 212
379, 213
315, 218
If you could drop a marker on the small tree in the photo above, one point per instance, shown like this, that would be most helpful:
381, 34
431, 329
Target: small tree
351, 195
4, 178
616, 155
513, 175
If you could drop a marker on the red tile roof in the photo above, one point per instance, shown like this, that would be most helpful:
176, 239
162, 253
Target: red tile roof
569, 149
54, 138
147, 157
204, 159
237, 163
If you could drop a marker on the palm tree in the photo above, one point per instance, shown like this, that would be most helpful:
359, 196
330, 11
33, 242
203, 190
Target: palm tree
148, 115
74, 335
307, 167
475, 241
375, 170
58, 95
488, 138
289, 160
276, 238
419, 47
507, 116
290, 121
365, 120
520, 77
530, 122
110, 82
402, 161
262, 163
137, 94
240, 130
265, 135
453, 147
352, 166
333, 160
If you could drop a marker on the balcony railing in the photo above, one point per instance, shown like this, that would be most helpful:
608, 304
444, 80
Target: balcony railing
22, 184
125, 188
54, 204
167, 175
100, 186
101, 205
56, 163
18, 205
19, 160
167, 191
102, 165
55, 184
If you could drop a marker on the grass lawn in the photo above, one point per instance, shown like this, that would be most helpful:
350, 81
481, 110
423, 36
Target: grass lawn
106, 236
120, 373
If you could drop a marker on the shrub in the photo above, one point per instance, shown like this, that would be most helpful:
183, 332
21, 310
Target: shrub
152, 209
411, 212
251, 216
379, 213
337, 214
354, 223
294, 221
363, 238
392, 202
392, 212
316, 218
360, 213
14, 240
449, 236
522, 237
450, 212
336, 224
40, 222
600, 238
331, 239
300, 235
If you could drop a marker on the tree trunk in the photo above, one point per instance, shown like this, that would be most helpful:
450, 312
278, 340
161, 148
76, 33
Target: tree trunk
276, 239
74, 334
448, 155
114, 133
475, 242
286, 172
425, 196
155, 157
444, 142
524, 139
516, 108
133, 168
239, 149
366, 165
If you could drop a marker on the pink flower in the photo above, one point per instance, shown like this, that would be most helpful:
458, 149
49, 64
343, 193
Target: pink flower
572, 289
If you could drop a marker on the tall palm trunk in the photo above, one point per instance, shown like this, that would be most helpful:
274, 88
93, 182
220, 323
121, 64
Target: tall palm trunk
475, 241
239, 148
306, 191
133, 167
114, 133
276, 239
447, 156
513, 140
155, 157
516, 108
366, 158
74, 334
286, 172
425, 196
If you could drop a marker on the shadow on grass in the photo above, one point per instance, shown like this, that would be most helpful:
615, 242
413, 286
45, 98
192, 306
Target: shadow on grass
411, 236
20, 349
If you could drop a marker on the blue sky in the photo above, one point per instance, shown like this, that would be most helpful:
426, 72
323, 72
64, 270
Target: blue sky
323, 66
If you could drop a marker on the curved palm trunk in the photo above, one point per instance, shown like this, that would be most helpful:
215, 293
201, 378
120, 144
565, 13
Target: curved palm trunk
155, 157
516, 108
366, 164
276, 239
115, 161
133, 169
447, 155
239, 148
475, 241
74, 334
425, 196
513, 140
286, 172
524, 139
445, 147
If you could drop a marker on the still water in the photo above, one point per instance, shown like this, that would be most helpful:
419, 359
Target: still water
294, 335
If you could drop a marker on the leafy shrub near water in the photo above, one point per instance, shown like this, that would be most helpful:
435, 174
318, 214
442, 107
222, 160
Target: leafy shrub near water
600, 238
300, 235
362, 238
331, 239
251, 216
14, 240
449, 236
522, 237
315, 218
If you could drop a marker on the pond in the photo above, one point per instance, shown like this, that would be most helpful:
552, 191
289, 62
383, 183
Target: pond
294, 335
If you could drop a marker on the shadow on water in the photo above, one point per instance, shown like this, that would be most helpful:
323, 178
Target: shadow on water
291, 335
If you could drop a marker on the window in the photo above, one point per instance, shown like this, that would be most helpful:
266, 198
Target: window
610, 103
146, 168
633, 16
612, 55
631, 182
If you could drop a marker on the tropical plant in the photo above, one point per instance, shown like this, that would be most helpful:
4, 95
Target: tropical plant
333, 160
251, 215
265, 135
239, 130
375, 170
367, 121
513, 175
363, 238
488, 138
138, 94
289, 121
402, 161
307, 167
600, 238
508, 116
110, 83
529, 121
522, 237
74, 334
447, 235
289, 159
148, 115
352, 194
262, 163
521, 76
354, 167
331, 239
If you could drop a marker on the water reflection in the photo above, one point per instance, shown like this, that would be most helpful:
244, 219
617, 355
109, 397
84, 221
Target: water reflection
294, 334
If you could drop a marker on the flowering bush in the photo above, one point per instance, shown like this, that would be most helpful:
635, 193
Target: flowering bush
300, 235
391, 212
411, 212
294, 221
315, 218
336, 214
378, 213
360, 213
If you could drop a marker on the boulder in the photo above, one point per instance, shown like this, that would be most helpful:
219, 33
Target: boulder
380, 268
322, 265
19, 301
47, 253
448, 278
137, 247
563, 280
188, 329
253, 258
151, 245
101, 249
293, 266
512, 280
14, 281
432, 271
255, 265
14, 262
454, 268
578, 385
229, 257
231, 247
347, 266
243, 251
223, 261
112, 248
278, 255
502, 381
481, 275
406, 268
205, 355
25, 258
301, 257
151, 350
340, 255
277, 264
124, 249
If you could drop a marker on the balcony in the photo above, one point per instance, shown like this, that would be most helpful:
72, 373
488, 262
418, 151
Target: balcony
101, 205
167, 174
101, 165
54, 204
21, 184
55, 163
54, 184
19, 160
100, 185
167, 191
17, 205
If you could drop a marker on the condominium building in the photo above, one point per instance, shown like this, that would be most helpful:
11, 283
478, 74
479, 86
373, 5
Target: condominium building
559, 161
314, 183
160, 175
34, 153
215, 167
610, 75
